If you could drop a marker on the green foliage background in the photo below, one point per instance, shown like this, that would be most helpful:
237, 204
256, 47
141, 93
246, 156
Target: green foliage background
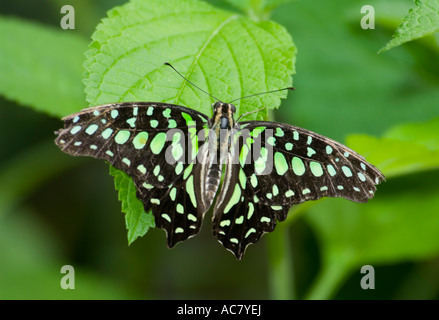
57, 210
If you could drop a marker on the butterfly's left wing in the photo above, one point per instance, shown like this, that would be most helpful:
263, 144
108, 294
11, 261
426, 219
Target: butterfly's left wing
274, 166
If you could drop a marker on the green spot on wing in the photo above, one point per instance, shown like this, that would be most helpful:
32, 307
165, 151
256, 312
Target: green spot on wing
187, 171
347, 171
310, 152
275, 190
188, 118
257, 131
298, 166
154, 123
107, 133
179, 168
331, 170
279, 132
251, 210
156, 170
158, 142
249, 232
173, 193
132, 122
190, 190
254, 180
242, 178
140, 140
239, 220
122, 136
316, 168
280, 163
172, 124
243, 155
259, 165
234, 199
141, 168
91, 129
75, 129
167, 113
289, 193
225, 223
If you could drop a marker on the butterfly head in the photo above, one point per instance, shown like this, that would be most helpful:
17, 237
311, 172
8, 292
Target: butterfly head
223, 114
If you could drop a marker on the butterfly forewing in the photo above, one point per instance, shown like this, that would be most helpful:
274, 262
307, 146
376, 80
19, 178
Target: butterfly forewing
148, 141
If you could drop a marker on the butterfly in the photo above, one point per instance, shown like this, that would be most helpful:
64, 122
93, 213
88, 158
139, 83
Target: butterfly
177, 158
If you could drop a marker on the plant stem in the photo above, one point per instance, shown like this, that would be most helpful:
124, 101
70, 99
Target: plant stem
281, 276
329, 279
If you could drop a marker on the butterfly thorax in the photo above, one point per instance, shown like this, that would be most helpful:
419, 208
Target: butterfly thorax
222, 116
221, 123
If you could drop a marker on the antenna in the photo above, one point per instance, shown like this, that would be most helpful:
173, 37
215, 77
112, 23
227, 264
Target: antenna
257, 94
168, 64
247, 113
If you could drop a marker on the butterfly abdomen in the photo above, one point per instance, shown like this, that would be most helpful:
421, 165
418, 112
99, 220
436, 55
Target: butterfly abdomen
213, 179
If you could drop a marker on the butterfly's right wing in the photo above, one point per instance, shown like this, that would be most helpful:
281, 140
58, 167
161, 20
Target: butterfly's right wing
276, 165
155, 144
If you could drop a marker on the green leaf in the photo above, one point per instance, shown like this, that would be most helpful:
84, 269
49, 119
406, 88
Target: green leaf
354, 90
228, 55
425, 134
257, 10
395, 226
18, 178
32, 257
400, 223
403, 149
41, 66
137, 220
421, 21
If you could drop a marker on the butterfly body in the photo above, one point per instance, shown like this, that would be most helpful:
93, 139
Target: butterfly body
177, 156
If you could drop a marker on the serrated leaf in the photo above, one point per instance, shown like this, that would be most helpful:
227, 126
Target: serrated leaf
257, 9
228, 55
421, 21
137, 220
41, 66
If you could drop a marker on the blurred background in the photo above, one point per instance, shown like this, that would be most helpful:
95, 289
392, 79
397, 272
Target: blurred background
58, 210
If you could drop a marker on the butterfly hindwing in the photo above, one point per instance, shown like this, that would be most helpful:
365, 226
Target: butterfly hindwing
240, 217
148, 141
278, 165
